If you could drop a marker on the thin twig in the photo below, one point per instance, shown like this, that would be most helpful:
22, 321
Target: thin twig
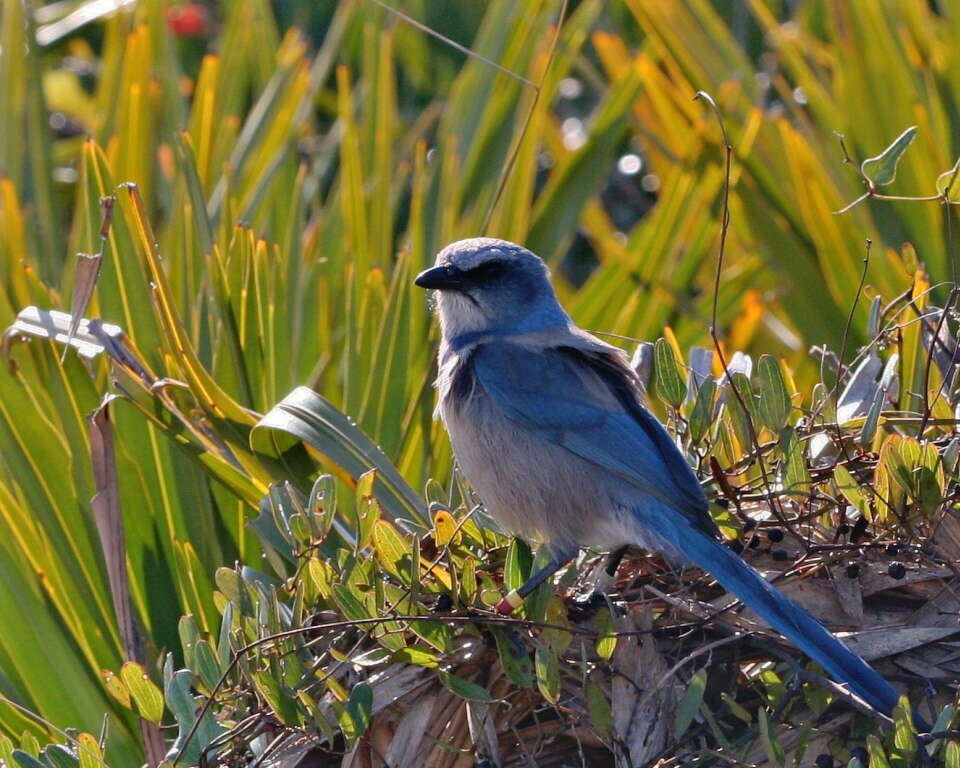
835, 391
954, 292
724, 228
538, 88
452, 43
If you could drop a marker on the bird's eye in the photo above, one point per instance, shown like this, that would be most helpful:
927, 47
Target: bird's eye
486, 272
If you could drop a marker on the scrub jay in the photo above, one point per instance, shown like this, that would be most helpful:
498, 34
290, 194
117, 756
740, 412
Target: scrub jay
546, 422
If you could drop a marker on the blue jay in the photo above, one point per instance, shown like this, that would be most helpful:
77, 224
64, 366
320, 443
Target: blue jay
547, 424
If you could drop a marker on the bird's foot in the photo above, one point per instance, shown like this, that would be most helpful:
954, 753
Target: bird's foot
510, 603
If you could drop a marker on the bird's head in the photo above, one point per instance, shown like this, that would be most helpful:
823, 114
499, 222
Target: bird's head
485, 285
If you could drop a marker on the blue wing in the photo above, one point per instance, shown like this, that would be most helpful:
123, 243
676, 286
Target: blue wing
587, 403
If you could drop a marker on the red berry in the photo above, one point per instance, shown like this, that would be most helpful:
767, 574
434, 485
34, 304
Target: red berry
187, 19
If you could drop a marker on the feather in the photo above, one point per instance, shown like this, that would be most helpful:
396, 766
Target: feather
787, 617
586, 403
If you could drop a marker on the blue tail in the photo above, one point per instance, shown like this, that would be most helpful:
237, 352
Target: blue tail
788, 618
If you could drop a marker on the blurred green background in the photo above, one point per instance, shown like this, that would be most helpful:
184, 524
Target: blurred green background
300, 161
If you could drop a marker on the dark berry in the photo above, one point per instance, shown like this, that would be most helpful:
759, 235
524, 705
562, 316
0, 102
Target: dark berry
722, 501
843, 529
861, 754
754, 542
897, 570
853, 570
824, 761
444, 603
775, 535
779, 555
736, 546
893, 550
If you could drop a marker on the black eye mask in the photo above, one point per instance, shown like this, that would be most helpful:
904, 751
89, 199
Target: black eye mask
486, 273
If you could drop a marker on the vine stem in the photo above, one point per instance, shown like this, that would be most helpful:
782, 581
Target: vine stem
724, 228
537, 90
334, 625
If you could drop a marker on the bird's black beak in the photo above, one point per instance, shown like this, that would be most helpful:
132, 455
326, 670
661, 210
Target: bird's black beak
442, 278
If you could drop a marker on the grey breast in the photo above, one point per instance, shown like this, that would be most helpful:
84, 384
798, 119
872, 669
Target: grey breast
530, 487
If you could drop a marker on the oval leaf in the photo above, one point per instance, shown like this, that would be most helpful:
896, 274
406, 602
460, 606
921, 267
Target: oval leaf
464, 688
444, 527
948, 183
601, 715
606, 631
952, 755
796, 479
774, 399
207, 666
115, 687
690, 704
145, 693
701, 417
882, 169
668, 382
548, 673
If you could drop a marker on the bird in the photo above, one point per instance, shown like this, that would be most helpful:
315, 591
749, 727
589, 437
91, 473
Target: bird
547, 423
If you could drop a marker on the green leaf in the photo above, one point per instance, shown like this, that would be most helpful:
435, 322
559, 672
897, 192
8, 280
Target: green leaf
414, 654
775, 403
145, 693
775, 752
189, 634
598, 707
88, 750
737, 709
944, 720
704, 407
518, 563
878, 757
796, 479
29, 744
904, 733
6, 749
465, 689
514, 657
393, 550
951, 755
26, 760
548, 672
115, 687
690, 703
309, 417
224, 648
948, 183
742, 419
360, 708
869, 429
368, 511
850, 489
350, 605
882, 169
606, 632
281, 701
668, 381
322, 505
444, 527
207, 665
59, 756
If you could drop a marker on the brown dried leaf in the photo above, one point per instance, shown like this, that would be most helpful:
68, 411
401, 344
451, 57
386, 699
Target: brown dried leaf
643, 704
876, 644
408, 738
